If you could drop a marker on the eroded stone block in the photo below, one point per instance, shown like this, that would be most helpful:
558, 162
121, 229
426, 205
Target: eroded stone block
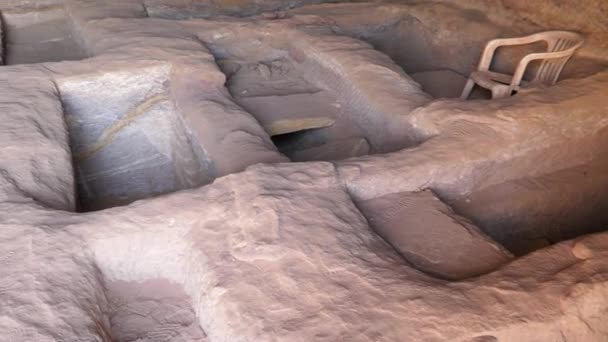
129, 144
32, 35
432, 237
34, 150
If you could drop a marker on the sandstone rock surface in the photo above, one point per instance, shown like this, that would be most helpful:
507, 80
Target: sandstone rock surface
213, 235
432, 237
1, 41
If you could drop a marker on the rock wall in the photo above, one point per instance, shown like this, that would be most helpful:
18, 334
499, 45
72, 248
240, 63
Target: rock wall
586, 16
279, 251
589, 17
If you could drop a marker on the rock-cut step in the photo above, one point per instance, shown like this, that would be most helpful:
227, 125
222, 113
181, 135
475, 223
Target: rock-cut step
429, 235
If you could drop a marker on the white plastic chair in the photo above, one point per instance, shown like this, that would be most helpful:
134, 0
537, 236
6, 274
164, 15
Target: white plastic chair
560, 47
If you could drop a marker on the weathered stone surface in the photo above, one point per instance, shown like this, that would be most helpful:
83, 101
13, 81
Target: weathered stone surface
418, 42
531, 212
177, 9
335, 150
588, 17
151, 310
441, 83
48, 289
366, 89
39, 33
279, 252
1, 40
130, 144
513, 138
35, 159
432, 237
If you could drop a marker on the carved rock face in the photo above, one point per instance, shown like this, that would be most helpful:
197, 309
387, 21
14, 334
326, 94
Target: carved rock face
200, 228
432, 237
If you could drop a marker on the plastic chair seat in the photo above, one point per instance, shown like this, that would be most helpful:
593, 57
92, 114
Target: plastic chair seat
489, 79
496, 82
561, 45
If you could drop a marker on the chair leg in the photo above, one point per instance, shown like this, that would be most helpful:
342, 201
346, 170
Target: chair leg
468, 87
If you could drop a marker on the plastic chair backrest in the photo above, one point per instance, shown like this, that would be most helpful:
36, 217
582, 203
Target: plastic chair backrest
557, 41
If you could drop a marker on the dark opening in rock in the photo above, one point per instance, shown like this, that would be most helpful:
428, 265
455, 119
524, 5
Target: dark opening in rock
314, 144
